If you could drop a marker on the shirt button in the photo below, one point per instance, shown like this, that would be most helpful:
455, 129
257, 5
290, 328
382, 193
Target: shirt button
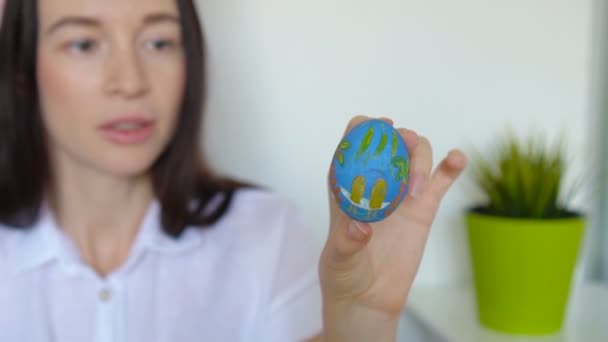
105, 295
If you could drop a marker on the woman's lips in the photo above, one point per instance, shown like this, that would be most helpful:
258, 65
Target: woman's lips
128, 130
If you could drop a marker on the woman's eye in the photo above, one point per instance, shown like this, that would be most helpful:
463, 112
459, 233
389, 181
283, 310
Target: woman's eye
161, 44
82, 46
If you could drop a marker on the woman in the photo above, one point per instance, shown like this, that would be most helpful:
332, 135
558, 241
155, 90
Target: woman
112, 229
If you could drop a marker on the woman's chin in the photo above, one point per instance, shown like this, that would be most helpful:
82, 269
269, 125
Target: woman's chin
128, 167
129, 172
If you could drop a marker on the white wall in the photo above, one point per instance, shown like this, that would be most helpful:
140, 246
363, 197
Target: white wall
286, 76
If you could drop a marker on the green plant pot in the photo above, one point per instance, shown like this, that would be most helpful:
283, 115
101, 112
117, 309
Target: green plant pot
523, 270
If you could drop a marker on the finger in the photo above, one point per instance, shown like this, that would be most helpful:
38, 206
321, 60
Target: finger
387, 120
447, 172
421, 159
362, 118
355, 121
346, 240
410, 138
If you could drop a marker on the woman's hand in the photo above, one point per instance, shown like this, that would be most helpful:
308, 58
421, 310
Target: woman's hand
367, 269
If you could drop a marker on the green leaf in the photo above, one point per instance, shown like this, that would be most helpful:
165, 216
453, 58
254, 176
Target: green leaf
524, 178
340, 158
382, 144
367, 140
402, 165
344, 145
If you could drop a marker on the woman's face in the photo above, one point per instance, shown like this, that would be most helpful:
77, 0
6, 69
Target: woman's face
111, 78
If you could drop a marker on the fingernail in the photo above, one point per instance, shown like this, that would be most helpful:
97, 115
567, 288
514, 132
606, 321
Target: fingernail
356, 231
418, 184
387, 120
411, 133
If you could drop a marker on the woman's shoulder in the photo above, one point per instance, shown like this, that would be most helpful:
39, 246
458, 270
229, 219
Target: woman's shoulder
256, 216
8, 237
261, 203
256, 209
272, 237
8, 233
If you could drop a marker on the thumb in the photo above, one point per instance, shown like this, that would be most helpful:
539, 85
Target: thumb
346, 236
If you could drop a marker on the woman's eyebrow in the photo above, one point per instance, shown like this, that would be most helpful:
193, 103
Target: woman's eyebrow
161, 17
153, 18
73, 20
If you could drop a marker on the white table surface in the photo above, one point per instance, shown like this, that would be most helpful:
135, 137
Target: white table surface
451, 314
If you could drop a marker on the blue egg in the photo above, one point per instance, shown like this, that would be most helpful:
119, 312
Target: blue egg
369, 174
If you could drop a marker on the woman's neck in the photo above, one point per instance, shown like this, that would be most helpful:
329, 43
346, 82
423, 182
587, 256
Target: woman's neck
101, 213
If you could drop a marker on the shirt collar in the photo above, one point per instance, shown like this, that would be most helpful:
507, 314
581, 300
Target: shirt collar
37, 245
45, 242
152, 236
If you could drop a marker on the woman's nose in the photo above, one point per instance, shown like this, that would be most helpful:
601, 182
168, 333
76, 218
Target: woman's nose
126, 74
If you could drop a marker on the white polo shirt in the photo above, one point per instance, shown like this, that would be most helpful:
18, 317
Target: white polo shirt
251, 277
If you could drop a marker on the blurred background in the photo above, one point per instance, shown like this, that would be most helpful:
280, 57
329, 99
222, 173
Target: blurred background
286, 77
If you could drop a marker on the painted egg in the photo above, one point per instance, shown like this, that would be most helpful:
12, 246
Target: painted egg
369, 174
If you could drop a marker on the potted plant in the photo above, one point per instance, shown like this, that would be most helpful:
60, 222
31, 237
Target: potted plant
524, 240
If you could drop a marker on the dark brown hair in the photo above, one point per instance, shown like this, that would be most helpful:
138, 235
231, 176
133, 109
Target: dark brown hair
184, 186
